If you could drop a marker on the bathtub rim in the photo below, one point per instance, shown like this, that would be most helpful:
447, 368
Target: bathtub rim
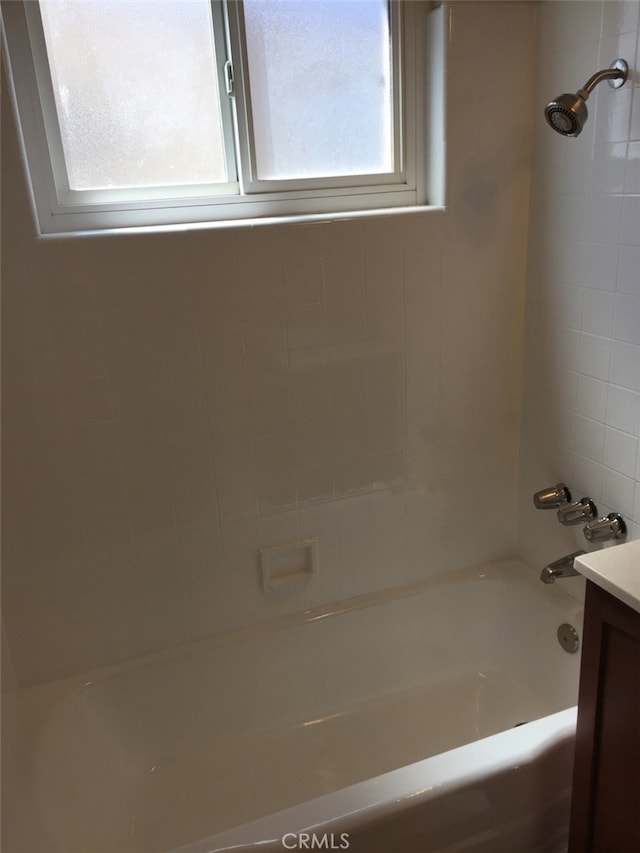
377, 797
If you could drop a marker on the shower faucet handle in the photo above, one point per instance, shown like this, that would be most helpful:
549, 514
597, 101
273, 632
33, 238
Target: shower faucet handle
610, 526
577, 512
552, 497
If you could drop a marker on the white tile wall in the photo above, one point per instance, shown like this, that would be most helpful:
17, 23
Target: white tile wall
175, 402
583, 291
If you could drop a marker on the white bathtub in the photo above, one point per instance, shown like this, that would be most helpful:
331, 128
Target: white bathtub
385, 723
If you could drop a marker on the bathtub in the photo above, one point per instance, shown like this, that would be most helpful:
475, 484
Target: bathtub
435, 717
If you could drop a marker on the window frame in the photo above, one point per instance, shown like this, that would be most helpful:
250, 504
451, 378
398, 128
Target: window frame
250, 181
59, 209
84, 200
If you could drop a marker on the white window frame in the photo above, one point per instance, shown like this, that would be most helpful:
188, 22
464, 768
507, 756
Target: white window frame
59, 209
252, 184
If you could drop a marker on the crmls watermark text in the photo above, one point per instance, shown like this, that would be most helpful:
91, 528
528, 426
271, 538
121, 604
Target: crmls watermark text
315, 841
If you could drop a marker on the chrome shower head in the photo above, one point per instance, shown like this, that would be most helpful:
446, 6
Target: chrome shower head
567, 114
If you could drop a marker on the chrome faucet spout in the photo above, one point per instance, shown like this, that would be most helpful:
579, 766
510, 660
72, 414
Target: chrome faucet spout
562, 568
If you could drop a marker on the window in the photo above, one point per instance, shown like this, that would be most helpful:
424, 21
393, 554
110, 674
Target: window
149, 112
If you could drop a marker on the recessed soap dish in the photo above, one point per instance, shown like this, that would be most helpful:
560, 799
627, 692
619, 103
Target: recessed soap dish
289, 567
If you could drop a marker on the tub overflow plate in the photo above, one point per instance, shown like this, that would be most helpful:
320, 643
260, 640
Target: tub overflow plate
568, 638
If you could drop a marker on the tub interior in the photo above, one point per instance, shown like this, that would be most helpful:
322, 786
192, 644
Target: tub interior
160, 752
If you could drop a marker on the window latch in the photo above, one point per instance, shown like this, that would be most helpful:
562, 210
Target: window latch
228, 77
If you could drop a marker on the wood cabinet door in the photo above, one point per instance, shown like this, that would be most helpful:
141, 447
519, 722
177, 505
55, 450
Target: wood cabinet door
605, 808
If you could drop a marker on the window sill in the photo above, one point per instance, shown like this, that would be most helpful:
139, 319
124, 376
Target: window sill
245, 223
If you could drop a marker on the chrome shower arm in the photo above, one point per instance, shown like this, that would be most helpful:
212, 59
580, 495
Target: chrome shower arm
618, 71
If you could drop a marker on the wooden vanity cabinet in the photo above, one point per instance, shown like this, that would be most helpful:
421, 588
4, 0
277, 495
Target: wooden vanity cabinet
605, 807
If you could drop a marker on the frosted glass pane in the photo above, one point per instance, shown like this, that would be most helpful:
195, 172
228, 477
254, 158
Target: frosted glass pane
136, 92
321, 94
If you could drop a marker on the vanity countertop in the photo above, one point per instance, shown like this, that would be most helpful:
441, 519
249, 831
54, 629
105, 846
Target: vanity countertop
615, 569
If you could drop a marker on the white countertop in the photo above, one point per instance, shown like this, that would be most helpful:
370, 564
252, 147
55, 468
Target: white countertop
616, 569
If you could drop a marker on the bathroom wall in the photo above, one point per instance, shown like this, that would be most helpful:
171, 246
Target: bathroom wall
581, 414
175, 401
